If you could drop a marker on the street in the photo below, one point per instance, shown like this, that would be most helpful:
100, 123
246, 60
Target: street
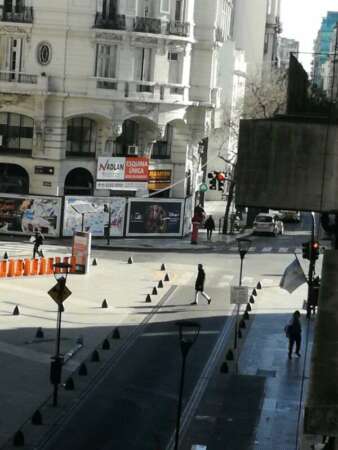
132, 403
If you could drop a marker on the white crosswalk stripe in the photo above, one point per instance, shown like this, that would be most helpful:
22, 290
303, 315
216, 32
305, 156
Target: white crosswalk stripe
16, 249
247, 280
266, 249
283, 250
267, 282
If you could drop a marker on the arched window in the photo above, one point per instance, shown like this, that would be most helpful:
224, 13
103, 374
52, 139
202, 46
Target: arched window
13, 179
162, 149
81, 137
79, 181
16, 133
129, 137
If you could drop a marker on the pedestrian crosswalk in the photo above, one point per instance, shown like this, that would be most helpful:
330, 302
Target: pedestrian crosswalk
25, 249
267, 249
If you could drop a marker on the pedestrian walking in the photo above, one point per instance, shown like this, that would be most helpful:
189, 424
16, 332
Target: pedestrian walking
293, 331
38, 241
199, 286
210, 226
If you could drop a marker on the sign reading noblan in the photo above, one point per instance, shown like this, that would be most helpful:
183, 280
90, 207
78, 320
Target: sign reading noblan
287, 165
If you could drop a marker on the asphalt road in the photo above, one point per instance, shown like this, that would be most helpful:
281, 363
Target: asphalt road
134, 405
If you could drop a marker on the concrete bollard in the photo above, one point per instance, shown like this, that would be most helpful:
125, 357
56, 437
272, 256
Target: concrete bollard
69, 385
148, 299
230, 355
95, 356
154, 291
39, 333
16, 311
116, 334
18, 439
37, 418
224, 368
104, 304
83, 370
105, 345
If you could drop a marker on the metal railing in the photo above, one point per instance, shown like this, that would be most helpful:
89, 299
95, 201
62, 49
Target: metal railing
24, 15
179, 28
17, 77
147, 25
118, 22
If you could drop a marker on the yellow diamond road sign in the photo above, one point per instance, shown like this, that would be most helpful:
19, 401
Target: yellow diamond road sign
59, 295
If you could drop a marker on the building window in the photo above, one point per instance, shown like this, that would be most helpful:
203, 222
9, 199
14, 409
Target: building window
16, 133
44, 53
129, 137
165, 6
162, 149
106, 57
81, 137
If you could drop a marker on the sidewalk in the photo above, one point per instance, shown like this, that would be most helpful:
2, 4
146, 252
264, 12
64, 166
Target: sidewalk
258, 409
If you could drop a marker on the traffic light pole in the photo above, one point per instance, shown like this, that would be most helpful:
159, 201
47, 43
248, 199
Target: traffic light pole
311, 268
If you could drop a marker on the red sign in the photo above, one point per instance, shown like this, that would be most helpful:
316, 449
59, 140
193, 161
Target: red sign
136, 168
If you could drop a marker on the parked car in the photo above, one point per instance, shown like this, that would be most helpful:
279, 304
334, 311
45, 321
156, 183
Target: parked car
290, 216
268, 223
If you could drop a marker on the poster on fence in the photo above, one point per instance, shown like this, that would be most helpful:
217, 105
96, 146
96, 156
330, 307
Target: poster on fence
26, 214
155, 217
188, 213
95, 222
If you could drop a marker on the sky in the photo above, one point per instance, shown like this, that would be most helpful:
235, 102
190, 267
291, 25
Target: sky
301, 20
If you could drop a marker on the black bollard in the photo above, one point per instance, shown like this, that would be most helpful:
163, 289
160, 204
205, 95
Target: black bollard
224, 368
105, 345
104, 304
160, 284
242, 324
154, 291
254, 292
83, 370
166, 278
130, 260
230, 355
95, 356
39, 333
69, 385
18, 439
16, 311
116, 334
246, 315
148, 299
252, 299
37, 418
259, 286
94, 263
163, 267
248, 307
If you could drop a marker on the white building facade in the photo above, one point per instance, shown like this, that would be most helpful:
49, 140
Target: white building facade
81, 80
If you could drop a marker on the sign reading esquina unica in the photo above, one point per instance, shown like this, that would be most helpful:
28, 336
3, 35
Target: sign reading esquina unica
130, 168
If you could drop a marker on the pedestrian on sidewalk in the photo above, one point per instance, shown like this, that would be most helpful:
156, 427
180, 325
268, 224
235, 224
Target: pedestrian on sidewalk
210, 226
38, 241
199, 286
293, 332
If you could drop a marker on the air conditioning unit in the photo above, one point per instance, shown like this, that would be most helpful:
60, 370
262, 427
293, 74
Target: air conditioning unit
132, 150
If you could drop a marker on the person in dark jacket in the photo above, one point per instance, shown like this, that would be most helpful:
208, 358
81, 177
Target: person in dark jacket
199, 286
38, 241
210, 226
294, 333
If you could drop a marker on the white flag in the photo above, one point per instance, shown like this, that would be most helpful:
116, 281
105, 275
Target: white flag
293, 277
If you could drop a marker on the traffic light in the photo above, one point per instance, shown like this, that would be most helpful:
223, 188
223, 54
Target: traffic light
220, 179
315, 250
306, 250
212, 180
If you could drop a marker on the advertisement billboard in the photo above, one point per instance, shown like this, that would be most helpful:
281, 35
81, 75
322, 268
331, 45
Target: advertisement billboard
81, 250
27, 214
96, 222
130, 168
155, 217
188, 213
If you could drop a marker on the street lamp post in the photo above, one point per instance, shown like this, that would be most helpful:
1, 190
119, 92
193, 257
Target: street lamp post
243, 248
188, 332
107, 208
61, 271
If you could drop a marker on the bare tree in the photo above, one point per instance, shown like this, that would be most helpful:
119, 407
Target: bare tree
264, 98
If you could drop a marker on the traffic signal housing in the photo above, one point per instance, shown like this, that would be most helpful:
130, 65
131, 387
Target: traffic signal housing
306, 250
315, 250
220, 179
212, 180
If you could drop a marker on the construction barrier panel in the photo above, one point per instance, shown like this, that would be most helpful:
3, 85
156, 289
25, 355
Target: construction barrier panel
35, 266
65, 261
50, 268
27, 267
57, 261
11, 268
43, 266
73, 264
3, 269
19, 268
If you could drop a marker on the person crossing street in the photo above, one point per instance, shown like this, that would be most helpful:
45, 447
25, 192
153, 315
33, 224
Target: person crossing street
199, 286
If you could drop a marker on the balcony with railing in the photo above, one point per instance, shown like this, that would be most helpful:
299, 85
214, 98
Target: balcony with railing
18, 15
137, 89
179, 28
22, 83
138, 24
118, 22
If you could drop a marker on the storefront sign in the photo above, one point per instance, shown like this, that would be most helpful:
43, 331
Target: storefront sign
155, 217
27, 214
96, 222
122, 185
159, 179
130, 168
44, 170
81, 250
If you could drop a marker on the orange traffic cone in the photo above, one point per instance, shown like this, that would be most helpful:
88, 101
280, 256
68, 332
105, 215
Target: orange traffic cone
19, 268
50, 268
3, 268
11, 268
35, 266
73, 264
43, 266
27, 267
